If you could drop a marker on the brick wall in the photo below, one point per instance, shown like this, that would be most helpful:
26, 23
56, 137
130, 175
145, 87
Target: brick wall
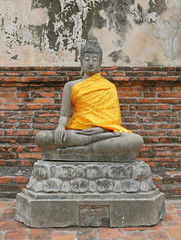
30, 101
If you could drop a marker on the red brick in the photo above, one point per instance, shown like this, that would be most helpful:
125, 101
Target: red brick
11, 225
43, 126
34, 79
9, 89
48, 73
143, 107
170, 95
155, 235
134, 236
40, 234
168, 140
9, 100
110, 233
163, 107
43, 100
63, 236
166, 148
172, 218
51, 107
30, 155
5, 179
22, 95
174, 231
163, 78
20, 179
12, 79
16, 235
159, 73
34, 107
149, 95
23, 126
8, 215
73, 73
169, 101
9, 107
174, 133
176, 108
44, 94
46, 114
3, 205
151, 140
120, 78
7, 95
19, 133
116, 73
109, 68
164, 154
87, 234
27, 163
144, 101
27, 100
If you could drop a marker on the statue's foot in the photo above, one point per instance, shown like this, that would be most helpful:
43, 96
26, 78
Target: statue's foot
126, 142
77, 149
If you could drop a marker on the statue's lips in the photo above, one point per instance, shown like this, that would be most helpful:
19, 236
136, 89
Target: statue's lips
91, 69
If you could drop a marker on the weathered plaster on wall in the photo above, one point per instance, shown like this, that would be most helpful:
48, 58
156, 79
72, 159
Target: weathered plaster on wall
131, 32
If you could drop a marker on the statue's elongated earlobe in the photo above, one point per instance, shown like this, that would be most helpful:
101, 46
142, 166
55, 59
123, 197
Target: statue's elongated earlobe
82, 72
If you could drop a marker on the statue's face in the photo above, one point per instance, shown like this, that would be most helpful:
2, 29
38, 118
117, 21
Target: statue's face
90, 63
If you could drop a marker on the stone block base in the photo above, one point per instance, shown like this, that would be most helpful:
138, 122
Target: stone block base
109, 210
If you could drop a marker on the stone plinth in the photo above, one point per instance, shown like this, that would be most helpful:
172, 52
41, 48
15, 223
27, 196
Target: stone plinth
62, 194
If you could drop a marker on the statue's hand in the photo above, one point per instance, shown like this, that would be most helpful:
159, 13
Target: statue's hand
60, 135
91, 131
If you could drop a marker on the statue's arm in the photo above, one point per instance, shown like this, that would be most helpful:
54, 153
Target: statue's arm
60, 132
92, 131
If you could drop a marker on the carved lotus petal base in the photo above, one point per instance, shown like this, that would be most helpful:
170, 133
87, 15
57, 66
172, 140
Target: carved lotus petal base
96, 177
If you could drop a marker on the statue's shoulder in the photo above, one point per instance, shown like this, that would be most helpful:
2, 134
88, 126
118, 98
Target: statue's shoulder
71, 83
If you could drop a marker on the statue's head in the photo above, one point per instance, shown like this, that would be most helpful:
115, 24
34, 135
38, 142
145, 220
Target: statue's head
91, 46
90, 57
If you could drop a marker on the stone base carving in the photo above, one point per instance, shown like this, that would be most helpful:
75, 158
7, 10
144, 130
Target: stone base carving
111, 210
52, 177
62, 194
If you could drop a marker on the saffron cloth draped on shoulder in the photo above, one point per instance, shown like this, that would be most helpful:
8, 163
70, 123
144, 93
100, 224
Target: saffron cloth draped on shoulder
95, 104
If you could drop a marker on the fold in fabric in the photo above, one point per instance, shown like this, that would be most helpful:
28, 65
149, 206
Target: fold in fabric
95, 104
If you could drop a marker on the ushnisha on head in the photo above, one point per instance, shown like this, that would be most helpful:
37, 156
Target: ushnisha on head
91, 46
90, 57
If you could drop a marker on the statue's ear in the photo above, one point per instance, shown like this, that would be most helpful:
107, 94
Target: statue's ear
82, 72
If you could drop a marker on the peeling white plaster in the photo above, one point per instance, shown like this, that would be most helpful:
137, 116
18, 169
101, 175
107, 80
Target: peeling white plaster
152, 17
24, 41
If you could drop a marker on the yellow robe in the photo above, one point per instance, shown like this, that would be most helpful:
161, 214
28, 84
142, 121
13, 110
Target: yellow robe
95, 104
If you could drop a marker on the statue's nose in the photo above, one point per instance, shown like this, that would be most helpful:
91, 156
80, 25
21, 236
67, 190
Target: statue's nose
90, 62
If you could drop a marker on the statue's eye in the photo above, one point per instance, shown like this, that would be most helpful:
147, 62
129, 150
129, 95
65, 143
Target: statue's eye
86, 58
95, 58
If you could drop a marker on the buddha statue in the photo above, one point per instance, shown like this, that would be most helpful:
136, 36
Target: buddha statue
95, 126
89, 162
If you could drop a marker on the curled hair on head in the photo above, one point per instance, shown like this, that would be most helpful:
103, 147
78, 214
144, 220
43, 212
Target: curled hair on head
91, 46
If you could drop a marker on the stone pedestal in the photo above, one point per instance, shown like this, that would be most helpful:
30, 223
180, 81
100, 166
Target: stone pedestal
112, 194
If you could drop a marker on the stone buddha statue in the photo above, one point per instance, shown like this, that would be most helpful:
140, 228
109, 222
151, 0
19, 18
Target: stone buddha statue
95, 126
89, 162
